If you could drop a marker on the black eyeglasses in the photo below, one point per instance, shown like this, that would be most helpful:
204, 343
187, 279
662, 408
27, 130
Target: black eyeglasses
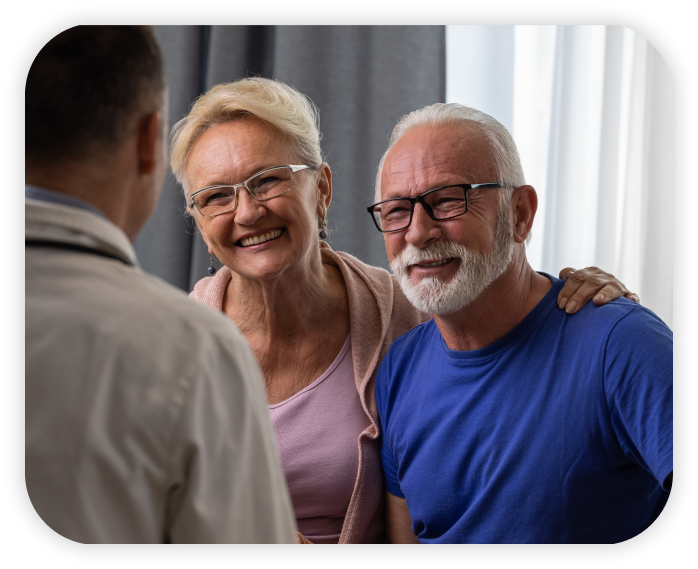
442, 203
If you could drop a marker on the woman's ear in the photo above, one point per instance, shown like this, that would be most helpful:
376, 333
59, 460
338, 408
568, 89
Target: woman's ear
210, 249
525, 205
324, 190
203, 233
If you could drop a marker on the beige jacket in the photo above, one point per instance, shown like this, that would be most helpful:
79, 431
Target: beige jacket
378, 313
146, 416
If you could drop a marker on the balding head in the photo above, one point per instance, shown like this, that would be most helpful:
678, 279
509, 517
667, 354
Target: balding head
496, 141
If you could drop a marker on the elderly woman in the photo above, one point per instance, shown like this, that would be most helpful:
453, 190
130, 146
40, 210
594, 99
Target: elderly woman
319, 322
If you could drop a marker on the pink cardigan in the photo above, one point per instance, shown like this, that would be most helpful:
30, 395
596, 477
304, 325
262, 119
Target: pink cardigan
378, 313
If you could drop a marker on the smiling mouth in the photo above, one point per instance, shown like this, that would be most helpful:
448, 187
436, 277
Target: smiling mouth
434, 263
257, 239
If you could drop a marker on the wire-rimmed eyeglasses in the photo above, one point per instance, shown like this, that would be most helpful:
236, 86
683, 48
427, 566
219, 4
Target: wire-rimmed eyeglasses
265, 185
441, 203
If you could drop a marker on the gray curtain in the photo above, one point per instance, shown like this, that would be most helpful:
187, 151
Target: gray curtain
362, 78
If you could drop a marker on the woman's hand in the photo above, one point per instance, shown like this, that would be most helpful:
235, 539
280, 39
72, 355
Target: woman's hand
300, 538
585, 284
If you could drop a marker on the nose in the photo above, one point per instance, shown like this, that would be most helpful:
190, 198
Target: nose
423, 229
248, 210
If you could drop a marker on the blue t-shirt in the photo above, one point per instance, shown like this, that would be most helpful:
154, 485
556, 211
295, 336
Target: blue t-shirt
561, 431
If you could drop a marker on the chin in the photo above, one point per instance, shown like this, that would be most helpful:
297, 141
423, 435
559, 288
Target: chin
264, 266
434, 296
476, 272
266, 272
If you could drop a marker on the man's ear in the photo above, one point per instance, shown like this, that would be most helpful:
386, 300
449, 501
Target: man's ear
525, 205
149, 145
324, 190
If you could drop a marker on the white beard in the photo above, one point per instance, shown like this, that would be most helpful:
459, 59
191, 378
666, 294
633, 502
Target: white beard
477, 271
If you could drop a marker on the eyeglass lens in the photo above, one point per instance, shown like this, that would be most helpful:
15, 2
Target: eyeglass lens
263, 186
444, 203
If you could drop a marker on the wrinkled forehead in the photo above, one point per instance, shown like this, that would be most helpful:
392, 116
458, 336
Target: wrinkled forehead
429, 156
231, 152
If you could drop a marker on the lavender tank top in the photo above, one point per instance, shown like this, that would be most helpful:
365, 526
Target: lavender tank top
317, 431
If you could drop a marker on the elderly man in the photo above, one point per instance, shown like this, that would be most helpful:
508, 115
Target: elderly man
146, 417
504, 420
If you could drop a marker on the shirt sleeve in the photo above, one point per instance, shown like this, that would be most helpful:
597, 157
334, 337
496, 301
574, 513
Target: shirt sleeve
229, 486
387, 458
638, 381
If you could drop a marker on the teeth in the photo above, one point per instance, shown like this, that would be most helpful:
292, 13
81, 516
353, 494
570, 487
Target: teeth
257, 239
435, 263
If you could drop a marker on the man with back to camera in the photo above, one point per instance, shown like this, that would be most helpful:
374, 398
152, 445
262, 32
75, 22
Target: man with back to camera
504, 421
146, 417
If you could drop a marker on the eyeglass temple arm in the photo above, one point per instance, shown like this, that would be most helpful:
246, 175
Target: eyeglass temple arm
489, 185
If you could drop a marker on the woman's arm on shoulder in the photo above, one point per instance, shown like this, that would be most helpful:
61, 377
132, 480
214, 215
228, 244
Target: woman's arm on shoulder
584, 284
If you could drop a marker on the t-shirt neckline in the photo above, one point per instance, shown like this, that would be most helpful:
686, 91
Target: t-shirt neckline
319, 380
504, 343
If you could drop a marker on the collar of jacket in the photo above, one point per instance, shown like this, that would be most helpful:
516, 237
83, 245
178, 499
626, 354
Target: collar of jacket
64, 224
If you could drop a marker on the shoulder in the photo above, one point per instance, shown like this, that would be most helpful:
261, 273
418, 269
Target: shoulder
211, 290
639, 344
614, 337
634, 319
406, 346
622, 321
621, 317
626, 343
169, 307
178, 339
134, 334
130, 310
365, 281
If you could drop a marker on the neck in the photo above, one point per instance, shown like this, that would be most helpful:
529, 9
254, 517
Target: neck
81, 181
295, 323
109, 182
299, 302
498, 310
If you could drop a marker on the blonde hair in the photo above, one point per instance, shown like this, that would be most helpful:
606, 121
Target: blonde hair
294, 114
502, 146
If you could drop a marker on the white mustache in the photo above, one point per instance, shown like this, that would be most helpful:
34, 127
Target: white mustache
438, 251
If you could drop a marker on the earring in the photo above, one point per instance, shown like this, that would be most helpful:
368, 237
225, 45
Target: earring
211, 270
322, 223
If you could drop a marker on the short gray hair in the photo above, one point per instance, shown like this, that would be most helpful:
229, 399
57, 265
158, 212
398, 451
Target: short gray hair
294, 114
502, 146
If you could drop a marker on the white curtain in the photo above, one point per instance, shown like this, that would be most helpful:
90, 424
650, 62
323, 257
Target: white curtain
590, 108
